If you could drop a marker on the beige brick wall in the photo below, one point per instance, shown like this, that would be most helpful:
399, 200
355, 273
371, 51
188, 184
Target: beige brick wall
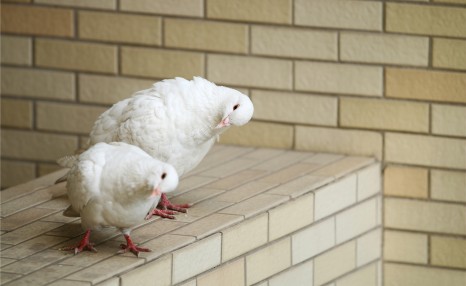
379, 78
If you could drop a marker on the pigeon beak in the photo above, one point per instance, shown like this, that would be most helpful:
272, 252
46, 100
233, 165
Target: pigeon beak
224, 123
155, 193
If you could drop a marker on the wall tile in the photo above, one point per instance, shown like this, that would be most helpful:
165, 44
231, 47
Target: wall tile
449, 120
249, 71
449, 53
425, 85
448, 185
405, 247
227, 274
369, 247
299, 275
369, 181
14, 172
356, 220
144, 275
193, 8
406, 181
425, 150
16, 113
338, 78
366, 276
335, 197
448, 251
399, 274
16, 50
334, 263
102, 4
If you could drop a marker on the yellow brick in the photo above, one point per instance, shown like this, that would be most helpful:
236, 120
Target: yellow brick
334, 263
384, 114
272, 11
37, 83
76, 56
449, 120
167, 7
268, 261
448, 53
144, 275
16, 50
124, 28
448, 185
249, 71
366, 276
426, 20
405, 247
260, 134
294, 107
229, 274
296, 43
361, 15
448, 251
451, 1
257, 231
67, 117
16, 113
206, 35
109, 89
409, 275
18, 1
161, 63
339, 141
388, 49
299, 275
339, 78
101, 4
406, 182
36, 145
425, 85
425, 216
37, 20
15, 172
425, 150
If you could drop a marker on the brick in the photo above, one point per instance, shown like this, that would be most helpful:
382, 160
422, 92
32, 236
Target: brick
263, 134
425, 85
245, 191
339, 141
6, 277
449, 120
16, 113
383, 48
369, 247
448, 251
152, 229
285, 159
123, 28
34, 262
208, 225
335, 197
291, 216
423, 216
339, 14
264, 263
102, 4
193, 8
295, 43
79, 118
406, 182
451, 1
448, 185
289, 173
227, 274
161, 63
424, 150
343, 167
64, 282
44, 169
249, 71
300, 186
367, 276
145, 275
16, 50
196, 258
229, 168
24, 217
449, 53
334, 263
37, 83
356, 220
313, 240
109, 89
237, 179
425, 19
206, 35
33, 20
14, 173
164, 244
299, 275
405, 247
47, 275
255, 205
271, 11
399, 274
338, 78
295, 108
76, 56
256, 229
369, 181
384, 114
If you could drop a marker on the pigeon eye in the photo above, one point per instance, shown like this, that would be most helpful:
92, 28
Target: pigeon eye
163, 175
235, 107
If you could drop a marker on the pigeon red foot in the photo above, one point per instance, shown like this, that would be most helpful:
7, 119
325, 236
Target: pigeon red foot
84, 244
167, 209
130, 246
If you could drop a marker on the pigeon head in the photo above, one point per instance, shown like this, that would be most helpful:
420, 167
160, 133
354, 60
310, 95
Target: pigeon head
162, 180
238, 108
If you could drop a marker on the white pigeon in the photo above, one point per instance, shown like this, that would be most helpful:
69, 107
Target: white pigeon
176, 121
115, 185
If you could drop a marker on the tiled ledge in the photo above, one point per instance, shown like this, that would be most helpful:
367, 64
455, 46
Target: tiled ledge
260, 216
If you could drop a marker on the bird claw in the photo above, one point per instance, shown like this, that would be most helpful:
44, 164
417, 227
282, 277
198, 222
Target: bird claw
84, 244
161, 213
133, 248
